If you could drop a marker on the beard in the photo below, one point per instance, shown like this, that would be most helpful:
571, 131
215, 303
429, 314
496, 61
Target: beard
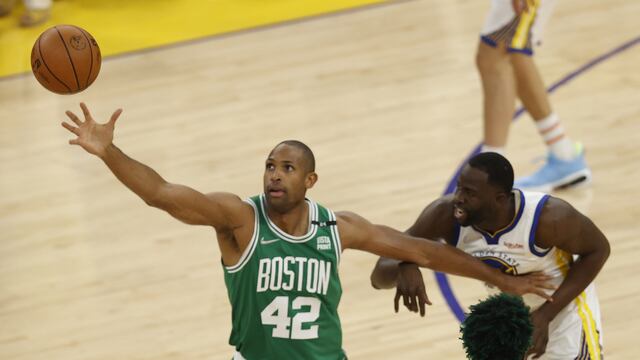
467, 217
280, 205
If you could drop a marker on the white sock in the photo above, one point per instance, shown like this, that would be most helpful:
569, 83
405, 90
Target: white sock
495, 149
553, 135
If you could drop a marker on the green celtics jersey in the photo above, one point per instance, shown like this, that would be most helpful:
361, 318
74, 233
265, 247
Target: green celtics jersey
285, 290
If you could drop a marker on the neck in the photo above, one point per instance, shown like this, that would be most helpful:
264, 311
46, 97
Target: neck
501, 217
294, 222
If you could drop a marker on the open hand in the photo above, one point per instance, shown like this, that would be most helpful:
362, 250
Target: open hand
533, 283
91, 136
410, 286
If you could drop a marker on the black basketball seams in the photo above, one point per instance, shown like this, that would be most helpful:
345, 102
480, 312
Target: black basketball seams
91, 53
70, 59
47, 66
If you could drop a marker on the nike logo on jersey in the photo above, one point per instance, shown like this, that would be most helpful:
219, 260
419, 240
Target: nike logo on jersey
265, 242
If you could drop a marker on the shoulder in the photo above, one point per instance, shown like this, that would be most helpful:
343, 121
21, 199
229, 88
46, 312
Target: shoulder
236, 211
441, 208
228, 199
354, 229
557, 218
348, 219
556, 210
436, 220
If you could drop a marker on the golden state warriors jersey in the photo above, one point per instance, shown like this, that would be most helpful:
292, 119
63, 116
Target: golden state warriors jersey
575, 333
513, 249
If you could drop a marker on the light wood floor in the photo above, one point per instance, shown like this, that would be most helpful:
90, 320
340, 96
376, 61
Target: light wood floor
390, 102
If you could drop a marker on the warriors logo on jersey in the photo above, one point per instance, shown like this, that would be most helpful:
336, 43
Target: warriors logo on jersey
576, 332
507, 266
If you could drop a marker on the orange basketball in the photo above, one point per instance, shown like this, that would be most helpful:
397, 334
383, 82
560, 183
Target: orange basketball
65, 59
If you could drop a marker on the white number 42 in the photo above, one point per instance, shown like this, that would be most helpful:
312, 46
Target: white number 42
276, 313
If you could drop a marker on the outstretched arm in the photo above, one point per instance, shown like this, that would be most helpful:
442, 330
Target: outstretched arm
435, 222
219, 210
358, 233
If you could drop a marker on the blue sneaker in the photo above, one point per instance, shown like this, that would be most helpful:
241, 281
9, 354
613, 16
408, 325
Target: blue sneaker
557, 174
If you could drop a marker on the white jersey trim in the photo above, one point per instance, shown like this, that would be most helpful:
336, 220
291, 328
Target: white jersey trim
494, 238
536, 250
246, 255
313, 228
335, 235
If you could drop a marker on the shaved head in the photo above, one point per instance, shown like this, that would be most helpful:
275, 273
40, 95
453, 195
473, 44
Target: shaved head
308, 159
289, 173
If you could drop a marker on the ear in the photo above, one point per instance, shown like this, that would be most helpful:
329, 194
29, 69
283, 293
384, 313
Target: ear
310, 180
502, 196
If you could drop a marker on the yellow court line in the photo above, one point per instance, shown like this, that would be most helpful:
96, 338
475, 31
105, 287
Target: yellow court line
126, 25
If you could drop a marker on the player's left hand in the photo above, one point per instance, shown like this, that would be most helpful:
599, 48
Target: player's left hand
533, 283
540, 334
410, 286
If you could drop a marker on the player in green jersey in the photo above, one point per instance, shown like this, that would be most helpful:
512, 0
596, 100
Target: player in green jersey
280, 250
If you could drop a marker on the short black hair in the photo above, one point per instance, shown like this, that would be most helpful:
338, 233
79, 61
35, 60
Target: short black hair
307, 154
498, 327
497, 167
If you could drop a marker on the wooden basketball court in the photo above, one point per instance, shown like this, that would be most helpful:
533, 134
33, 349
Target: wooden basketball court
389, 100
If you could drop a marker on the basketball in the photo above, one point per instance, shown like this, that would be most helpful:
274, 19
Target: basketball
65, 59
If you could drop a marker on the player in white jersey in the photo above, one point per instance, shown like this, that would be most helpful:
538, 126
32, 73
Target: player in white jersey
517, 232
508, 72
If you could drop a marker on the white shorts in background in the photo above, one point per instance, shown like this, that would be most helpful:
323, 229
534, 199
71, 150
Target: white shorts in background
519, 32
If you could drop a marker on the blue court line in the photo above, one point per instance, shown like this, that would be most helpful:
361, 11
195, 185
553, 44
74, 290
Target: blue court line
442, 279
